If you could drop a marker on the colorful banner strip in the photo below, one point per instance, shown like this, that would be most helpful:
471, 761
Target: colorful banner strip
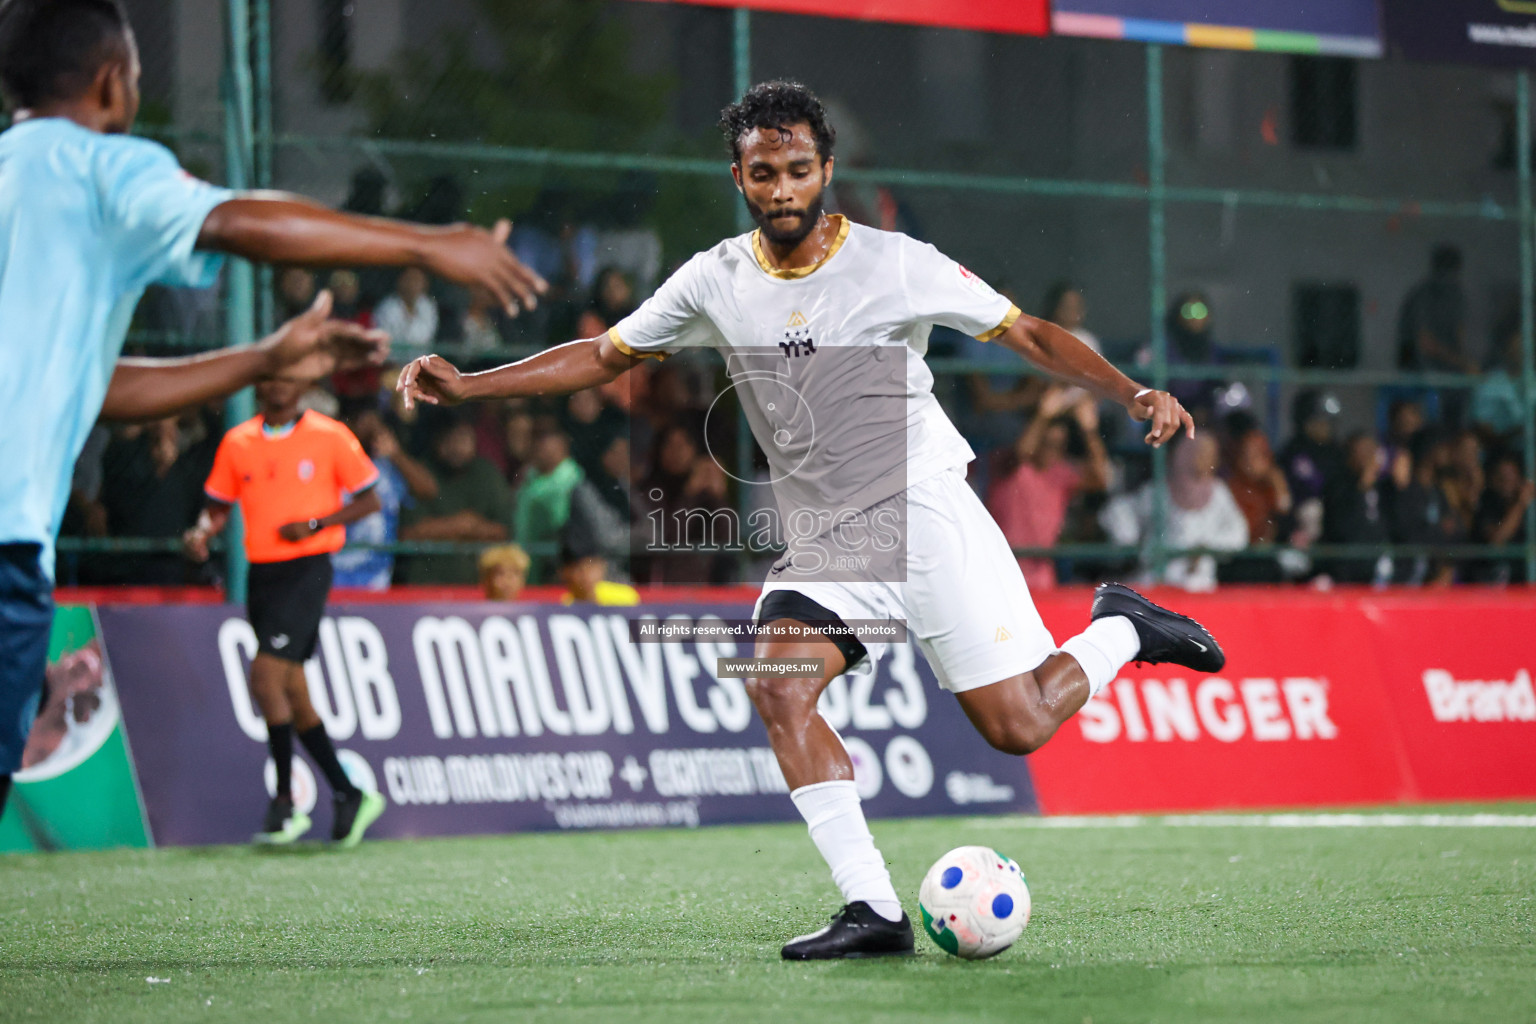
1225, 37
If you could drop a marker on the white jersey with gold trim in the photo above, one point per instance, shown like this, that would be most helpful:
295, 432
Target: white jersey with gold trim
829, 357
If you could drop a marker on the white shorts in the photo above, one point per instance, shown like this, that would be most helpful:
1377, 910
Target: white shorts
964, 600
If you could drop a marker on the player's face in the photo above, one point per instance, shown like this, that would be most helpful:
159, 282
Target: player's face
782, 178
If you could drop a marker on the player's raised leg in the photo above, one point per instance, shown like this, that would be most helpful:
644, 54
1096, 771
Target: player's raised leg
1019, 714
820, 776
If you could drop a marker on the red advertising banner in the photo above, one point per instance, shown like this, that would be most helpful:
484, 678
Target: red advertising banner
1343, 698
1457, 676
1021, 17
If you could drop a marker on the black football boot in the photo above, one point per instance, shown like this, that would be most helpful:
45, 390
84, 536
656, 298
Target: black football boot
856, 931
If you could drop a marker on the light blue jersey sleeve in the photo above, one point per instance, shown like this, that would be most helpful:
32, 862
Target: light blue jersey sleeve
153, 212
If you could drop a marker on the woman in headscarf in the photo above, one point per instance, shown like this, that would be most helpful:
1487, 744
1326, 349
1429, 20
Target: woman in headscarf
1201, 515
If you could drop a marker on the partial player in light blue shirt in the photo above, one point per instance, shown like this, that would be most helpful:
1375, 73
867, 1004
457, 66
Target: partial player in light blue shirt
89, 221
89, 217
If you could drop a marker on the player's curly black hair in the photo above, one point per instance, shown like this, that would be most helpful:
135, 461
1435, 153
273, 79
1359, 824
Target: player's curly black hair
51, 49
777, 105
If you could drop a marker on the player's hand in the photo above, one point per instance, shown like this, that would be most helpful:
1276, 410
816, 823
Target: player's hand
1166, 416
295, 532
312, 346
480, 259
194, 544
431, 379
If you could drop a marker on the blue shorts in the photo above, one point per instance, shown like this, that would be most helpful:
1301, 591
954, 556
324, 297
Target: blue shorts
26, 621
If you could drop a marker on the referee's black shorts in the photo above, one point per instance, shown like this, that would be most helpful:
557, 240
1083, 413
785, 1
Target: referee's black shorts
284, 602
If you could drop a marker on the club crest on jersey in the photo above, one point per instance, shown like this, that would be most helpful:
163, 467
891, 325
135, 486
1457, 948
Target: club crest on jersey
798, 339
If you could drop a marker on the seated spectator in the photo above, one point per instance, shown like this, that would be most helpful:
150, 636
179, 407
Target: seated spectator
360, 382
1462, 480
504, 435
680, 506
347, 298
591, 424
1418, 512
479, 329
409, 426
1500, 518
517, 447
1498, 409
544, 499
1311, 460
503, 572
402, 482
1201, 515
1030, 502
613, 298
1355, 512
409, 315
1405, 420
473, 504
611, 481
584, 571
1259, 487
152, 486
1063, 306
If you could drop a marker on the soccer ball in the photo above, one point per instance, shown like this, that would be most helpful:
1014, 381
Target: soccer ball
974, 902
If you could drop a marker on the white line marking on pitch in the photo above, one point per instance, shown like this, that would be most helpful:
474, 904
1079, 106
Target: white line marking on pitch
1269, 821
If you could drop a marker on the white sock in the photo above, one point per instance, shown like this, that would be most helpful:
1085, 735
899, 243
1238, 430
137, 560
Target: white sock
1103, 649
836, 820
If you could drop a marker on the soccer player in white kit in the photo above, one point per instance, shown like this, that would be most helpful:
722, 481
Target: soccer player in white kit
823, 325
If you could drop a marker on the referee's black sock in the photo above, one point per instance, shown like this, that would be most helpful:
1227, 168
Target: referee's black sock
280, 742
318, 743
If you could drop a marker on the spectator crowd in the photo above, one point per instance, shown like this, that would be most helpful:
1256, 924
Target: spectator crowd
569, 489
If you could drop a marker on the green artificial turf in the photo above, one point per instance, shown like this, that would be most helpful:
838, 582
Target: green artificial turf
1148, 923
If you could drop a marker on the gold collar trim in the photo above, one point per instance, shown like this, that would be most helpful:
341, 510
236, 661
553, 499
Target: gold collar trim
798, 272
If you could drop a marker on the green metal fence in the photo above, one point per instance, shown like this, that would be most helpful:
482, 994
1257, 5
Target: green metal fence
252, 147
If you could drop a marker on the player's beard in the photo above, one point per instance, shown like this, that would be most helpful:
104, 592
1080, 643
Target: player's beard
788, 227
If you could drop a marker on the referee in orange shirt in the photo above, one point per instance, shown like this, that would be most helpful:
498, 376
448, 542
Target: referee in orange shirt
291, 472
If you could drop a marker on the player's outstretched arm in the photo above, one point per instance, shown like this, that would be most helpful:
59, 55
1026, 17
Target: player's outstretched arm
574, 366
1059, 353
309, 346
278, 228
